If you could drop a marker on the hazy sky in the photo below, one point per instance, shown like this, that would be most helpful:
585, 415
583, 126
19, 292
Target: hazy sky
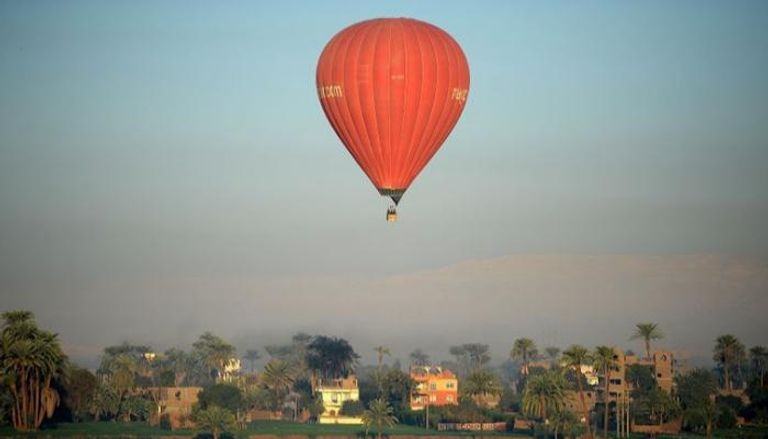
160, 157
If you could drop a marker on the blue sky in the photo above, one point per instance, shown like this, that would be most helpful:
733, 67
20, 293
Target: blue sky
144, 140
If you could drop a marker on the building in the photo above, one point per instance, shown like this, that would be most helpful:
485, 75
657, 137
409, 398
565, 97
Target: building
660, 363
434, 386
175, 403
334, 393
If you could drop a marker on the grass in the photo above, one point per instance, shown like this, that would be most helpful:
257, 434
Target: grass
286, 428
97, 429
746, 432
274, 428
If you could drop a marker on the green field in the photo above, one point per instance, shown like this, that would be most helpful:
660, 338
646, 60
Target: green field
96, 429
282, 428
285, 428
277, 428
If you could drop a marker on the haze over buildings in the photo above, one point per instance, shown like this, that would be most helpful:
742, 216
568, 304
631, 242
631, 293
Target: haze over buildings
165, 169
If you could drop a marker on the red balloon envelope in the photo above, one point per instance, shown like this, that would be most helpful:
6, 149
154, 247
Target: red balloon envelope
393, 89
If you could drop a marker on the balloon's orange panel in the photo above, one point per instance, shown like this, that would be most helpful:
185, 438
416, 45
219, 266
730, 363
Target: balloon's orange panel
393, 89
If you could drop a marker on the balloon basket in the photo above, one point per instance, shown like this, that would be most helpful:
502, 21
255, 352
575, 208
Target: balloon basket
391, 215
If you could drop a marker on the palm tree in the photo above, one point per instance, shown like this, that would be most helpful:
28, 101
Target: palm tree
279, 377
299, 341
17, 319
215, 420
478, 355
419, 358
729, 351
461, 359
214, 352
604, 360
544, 393
105, 401
759, 358
574, 358
18, 358
381, 351
380, 416
177, 361
524, 349
30, 360
658, 405
52, 365
480, 386
648, 332
123, 373
709, 411
251, 355
697, 391
565, 421
553, 353
122, 377
330, 357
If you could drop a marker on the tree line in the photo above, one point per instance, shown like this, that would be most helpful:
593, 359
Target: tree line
39, 384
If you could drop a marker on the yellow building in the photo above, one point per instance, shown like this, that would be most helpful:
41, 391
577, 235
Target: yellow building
333, 393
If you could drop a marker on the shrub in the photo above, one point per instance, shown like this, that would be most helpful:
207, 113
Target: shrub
215, 420
165, 422
225, 396
726, 418
352, 408
732, 402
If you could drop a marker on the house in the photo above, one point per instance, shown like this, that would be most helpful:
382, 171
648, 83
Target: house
660, 363
434, 386
175, 403
334, 393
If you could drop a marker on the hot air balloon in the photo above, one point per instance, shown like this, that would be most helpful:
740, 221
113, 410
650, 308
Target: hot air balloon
392, 89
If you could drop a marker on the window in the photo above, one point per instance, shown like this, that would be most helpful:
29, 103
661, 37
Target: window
334, 397
449, 398
432, 386
433, 398
616, 381
449, 385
